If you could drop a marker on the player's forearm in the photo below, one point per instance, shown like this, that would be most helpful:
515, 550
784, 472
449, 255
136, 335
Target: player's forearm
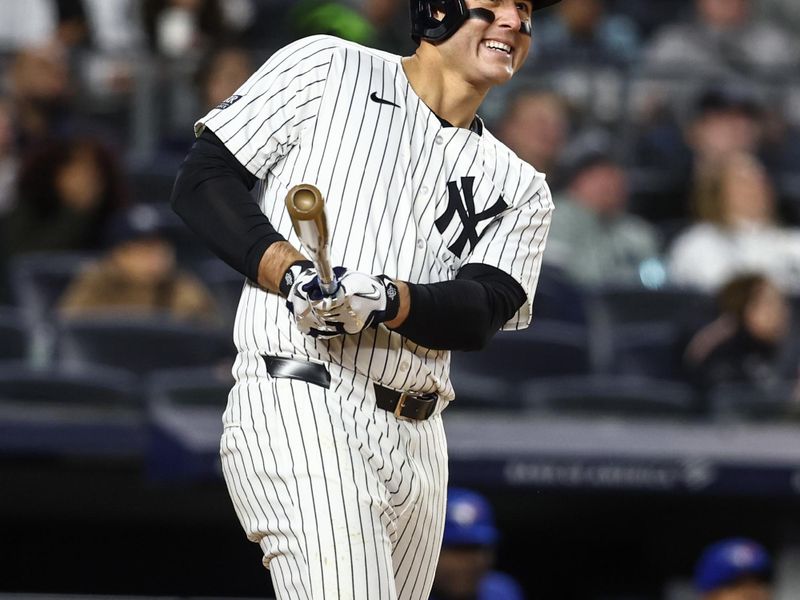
275, 262
458, 315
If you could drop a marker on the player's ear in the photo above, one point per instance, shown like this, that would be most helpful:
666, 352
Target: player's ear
437, 11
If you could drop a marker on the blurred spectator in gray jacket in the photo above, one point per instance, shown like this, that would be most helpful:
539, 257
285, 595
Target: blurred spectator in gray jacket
582, 31
724, 38
591, 237
786, 13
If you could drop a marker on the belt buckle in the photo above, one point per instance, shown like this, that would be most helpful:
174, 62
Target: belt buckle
401, 403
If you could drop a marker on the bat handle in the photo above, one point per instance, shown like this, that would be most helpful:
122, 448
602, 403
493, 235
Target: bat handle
328, 282
329, 288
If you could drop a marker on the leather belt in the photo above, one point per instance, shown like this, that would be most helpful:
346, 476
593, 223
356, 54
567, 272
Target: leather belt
404, 405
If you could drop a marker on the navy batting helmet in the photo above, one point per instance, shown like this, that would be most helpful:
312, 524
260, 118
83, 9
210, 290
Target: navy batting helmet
425, 24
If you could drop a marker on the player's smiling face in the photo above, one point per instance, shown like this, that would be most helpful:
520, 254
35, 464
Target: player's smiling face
490, 53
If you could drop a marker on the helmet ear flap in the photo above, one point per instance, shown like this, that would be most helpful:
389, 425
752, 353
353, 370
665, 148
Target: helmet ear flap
436, 20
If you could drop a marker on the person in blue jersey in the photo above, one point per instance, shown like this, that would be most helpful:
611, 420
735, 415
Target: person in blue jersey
465, 563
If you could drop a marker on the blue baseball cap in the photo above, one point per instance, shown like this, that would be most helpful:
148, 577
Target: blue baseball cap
731, 559
469, 519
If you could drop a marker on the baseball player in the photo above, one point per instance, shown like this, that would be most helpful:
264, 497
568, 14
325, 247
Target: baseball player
468, 547
734, 569
333, 448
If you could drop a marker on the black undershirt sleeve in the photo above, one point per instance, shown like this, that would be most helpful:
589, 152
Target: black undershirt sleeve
465, 313
212, 195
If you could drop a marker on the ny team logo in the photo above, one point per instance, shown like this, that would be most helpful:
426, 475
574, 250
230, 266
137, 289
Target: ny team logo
464, 207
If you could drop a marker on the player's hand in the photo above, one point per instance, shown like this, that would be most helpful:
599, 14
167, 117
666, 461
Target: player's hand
300, 285
361, 301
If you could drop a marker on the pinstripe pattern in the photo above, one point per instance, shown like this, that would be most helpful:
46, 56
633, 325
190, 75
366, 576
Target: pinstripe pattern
345, 500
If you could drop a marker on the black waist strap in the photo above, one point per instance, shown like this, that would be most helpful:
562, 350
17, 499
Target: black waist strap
403, 404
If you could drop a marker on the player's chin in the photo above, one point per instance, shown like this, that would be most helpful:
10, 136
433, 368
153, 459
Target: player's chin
498, 75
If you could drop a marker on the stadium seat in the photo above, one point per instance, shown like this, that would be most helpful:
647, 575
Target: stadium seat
625, 305
483, 392
153, 184
746, 402
558, 298
545, 348
140, 345
99, 386
38, 280
14, 335
225, 284
610, 395
199, 386
648, 350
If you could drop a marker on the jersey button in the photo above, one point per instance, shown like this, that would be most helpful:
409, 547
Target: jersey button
425, 190
420, 244
404, 366
439, 139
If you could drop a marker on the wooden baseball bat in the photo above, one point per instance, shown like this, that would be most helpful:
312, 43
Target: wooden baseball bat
306, 208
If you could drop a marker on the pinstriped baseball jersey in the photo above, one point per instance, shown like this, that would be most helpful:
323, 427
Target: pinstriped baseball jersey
405, 195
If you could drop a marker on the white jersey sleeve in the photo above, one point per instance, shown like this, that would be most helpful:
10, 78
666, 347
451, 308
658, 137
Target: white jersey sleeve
514, 241
268, 114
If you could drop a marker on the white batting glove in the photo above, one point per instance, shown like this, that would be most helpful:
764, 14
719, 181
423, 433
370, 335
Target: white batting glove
362, 301
301, 288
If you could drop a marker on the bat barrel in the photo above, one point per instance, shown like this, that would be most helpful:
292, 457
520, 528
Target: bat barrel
306, 208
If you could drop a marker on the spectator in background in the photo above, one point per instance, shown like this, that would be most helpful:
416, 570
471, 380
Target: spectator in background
535, 125
592, 238
390, 20
653, 14
725, 120
736, 231
581, 31
67, 190
139, 275
41, 22
9, 159
745, 343
734, 569
722, 39
785, 13
184, 28
40, 92
221, 73
465, 562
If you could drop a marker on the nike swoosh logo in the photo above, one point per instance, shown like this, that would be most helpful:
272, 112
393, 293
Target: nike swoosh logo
374, 295
374, 97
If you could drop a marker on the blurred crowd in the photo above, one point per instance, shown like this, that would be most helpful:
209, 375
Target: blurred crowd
668, 130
